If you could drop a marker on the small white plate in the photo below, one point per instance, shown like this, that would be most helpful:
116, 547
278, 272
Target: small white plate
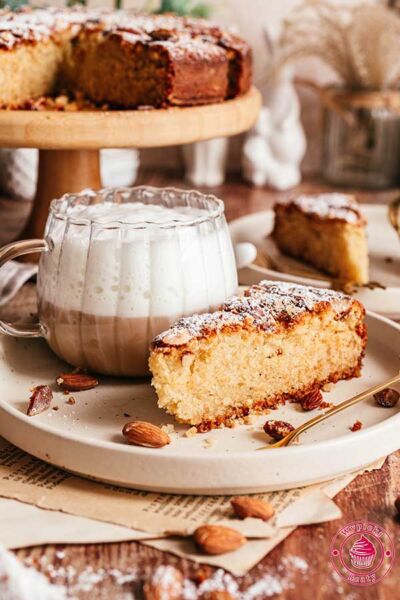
383, 244
86, 437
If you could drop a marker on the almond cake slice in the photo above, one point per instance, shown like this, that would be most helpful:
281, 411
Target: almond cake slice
326, 231
278, 341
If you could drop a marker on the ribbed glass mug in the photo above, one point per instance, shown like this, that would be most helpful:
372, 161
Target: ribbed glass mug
106, 288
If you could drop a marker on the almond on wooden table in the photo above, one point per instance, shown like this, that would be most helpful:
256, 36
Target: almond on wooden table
166, 583
76, 382
246, 506
218, 539
142, 433
40, 400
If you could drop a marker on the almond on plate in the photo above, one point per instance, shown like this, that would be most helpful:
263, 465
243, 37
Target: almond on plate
40, 400
246, 506
142, 433
76, 382
218, 539
387, 398
277, 429
312, 400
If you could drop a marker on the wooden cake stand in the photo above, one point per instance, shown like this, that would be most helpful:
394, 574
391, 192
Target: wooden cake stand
69, 142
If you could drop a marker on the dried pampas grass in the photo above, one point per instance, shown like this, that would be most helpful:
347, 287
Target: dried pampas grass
360, 43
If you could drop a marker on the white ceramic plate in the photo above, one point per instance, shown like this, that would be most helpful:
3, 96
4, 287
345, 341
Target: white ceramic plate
86, 437
383, 244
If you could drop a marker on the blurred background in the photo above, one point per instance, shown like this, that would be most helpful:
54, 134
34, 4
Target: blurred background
301, 48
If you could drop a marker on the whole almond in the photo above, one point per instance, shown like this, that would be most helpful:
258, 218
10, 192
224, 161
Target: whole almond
165, 583
177, 338
218, 539
245, 506
40, 400
142, 433
387, 397
76, 382
217, 595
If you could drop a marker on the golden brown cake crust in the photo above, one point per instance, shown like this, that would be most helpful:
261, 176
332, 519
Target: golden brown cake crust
259, 406
324, 208
185, 61
268, 306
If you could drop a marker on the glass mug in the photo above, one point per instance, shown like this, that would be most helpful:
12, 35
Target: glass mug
108, 283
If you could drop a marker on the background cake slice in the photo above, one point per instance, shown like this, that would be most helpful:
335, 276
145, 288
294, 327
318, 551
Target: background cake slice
326, 231
279, 341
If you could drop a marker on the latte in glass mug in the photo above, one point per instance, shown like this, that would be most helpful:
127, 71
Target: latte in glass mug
121, 265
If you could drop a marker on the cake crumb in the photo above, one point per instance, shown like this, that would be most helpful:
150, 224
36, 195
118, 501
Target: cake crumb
168, 428
208, 442
325, 405
55, 407
71, 400
356, 426
250, 419
190, 432
328, 387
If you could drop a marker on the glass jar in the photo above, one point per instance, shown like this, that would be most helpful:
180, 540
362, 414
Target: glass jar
361, 139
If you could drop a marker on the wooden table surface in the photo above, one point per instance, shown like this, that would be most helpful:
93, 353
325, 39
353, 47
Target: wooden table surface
370, 496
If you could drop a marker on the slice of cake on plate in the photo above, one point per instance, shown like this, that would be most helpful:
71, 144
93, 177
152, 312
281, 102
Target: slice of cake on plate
278, 341
326, 231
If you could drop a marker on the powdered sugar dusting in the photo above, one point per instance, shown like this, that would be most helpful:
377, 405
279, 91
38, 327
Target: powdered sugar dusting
169, 582
220, 581
333, 206
264, 307
264, 588
18, 582
27, 25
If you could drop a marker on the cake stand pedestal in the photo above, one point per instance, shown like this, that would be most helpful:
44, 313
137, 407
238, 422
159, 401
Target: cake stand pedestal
69, 142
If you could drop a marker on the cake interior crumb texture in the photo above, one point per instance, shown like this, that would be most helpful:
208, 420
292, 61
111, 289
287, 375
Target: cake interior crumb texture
277, 343
326, 231
119, 58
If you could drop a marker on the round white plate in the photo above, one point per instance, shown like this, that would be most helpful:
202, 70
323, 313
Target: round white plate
383, 244
86, 437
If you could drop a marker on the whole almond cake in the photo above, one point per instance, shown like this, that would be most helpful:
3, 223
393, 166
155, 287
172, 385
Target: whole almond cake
279, 341
326, 231
120, 58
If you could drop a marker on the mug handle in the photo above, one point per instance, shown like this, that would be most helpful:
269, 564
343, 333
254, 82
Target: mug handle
7, 253
245, 254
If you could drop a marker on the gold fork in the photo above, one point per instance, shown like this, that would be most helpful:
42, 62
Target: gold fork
288, 439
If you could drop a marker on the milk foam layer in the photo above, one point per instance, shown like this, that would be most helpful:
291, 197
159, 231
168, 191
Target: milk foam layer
135, 213
154, 263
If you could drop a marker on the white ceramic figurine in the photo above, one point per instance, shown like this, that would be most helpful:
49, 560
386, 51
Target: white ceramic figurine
276, 145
